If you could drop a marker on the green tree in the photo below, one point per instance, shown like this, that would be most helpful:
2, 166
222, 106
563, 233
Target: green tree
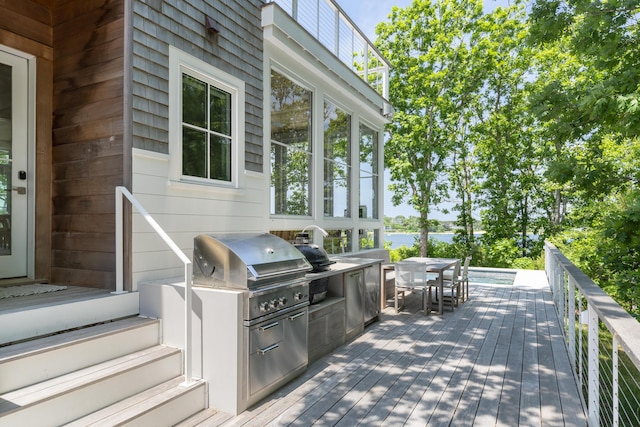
432, 80
593, 114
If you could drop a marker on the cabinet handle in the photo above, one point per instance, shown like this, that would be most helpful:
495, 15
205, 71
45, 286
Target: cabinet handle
269, 326
295, 316
266, 350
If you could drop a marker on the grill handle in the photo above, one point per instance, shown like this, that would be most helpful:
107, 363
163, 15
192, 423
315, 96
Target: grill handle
295, 316
266, 350
269, 326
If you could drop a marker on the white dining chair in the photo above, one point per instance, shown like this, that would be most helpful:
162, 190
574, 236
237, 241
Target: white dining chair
411, 276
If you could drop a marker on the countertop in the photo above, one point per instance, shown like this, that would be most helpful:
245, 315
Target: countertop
344, 265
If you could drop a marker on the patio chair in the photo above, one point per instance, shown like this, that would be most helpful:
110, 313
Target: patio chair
463, 278
453, 283
411, 276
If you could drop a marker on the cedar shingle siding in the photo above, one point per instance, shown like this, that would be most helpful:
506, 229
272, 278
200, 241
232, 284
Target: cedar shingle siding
237, 50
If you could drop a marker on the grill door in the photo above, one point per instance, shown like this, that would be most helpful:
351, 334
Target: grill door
277, 348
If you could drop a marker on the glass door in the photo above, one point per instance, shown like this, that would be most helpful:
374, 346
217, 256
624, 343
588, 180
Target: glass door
13, 164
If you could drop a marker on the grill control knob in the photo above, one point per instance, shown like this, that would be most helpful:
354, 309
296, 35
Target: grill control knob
274, 303
283, 301
297, 296
264, 306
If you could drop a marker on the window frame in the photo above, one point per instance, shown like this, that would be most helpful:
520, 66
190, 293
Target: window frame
182, 63
310, 153
374, 174
348, 165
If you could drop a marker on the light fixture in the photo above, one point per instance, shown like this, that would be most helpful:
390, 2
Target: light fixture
211, 25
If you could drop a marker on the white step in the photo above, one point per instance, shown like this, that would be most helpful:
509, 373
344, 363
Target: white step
74, 395
163, 405
25, 323
38, 360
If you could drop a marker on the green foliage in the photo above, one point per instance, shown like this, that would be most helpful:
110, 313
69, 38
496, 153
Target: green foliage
501, 253
404, 252
433, 73
531, 122
494, 256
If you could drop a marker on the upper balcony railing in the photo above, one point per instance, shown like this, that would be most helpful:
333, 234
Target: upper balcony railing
328, 23
603, 342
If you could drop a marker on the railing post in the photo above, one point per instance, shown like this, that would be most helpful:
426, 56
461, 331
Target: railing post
571, 321
188, 272
188, 335
119, 243
614, 361
580, 340
594, 369
562, 297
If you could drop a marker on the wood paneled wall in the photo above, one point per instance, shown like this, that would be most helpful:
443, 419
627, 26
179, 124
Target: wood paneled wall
26, 26
87, 145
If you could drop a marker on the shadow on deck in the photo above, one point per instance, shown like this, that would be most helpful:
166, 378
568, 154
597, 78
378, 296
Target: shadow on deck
498, 359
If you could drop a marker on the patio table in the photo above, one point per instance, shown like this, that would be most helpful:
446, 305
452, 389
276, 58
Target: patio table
437, 265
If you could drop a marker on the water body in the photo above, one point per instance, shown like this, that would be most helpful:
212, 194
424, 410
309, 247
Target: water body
408, 239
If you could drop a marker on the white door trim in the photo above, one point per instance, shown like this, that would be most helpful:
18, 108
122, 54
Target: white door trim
30, 154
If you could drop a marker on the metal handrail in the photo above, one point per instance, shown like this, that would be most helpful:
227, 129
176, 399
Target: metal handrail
188, 270
581, 304
342, 37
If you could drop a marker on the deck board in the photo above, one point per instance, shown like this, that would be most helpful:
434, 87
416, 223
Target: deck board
498, 359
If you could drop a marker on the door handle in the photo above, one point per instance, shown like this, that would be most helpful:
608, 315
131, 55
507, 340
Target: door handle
20, 190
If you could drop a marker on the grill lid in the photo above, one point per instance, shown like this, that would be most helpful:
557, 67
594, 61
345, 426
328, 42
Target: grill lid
245, 260
316, 256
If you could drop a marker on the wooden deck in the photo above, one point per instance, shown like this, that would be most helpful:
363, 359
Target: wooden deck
499, 359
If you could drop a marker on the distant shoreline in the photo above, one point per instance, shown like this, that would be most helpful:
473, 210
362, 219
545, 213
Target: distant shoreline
431, 232
417, 232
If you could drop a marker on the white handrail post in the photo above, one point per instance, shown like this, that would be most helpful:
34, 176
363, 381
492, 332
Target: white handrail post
188, 270
188, 336
119, 243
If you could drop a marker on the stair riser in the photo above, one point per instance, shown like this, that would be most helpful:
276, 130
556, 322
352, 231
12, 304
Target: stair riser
20, 325
82, 400
43, 365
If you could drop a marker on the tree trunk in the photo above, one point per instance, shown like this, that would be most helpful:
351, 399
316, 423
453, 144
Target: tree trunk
424, 234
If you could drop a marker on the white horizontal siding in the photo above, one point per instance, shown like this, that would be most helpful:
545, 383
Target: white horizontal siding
184, 211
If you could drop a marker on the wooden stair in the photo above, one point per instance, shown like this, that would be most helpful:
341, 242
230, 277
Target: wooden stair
115, 373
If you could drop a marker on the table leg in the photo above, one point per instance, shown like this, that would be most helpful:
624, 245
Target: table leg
441, 298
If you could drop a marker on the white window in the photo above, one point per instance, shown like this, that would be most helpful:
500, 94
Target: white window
337, 161
206, 121
291, 147
369, 177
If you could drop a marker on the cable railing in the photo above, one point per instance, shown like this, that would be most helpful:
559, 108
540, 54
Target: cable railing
333, 28
188, 270
603, 342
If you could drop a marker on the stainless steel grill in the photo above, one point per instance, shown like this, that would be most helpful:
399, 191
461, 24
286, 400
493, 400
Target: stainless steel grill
246, 261
270, 273
270, 270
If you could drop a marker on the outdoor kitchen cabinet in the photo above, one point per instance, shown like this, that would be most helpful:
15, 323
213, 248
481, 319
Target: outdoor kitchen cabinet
350, 285
371, 293
326, 327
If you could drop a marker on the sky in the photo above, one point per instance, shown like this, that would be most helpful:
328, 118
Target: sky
366, 14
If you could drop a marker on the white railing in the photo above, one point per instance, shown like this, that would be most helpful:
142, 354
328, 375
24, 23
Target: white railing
603, 342
188, 270
328, 23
